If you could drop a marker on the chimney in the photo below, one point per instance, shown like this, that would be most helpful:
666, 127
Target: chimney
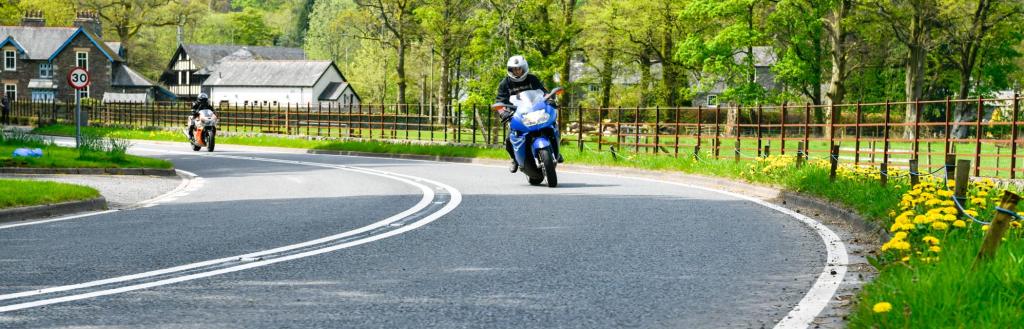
33, 18
90, 22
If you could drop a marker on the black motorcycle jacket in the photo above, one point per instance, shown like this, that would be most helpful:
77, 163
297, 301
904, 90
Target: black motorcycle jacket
201, 105
507, 87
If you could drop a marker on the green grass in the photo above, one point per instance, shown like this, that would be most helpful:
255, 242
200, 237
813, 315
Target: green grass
65, 157
948, 293
21, 193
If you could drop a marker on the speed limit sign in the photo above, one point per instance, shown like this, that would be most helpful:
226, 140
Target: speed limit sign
78, 78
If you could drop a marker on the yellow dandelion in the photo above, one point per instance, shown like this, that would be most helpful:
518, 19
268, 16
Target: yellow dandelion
935, 249
940, 226
960, 224
920, 219
930, 240
882, 307
900, 236
971, 212
979, 201
905, 259
984, 227
1015, 224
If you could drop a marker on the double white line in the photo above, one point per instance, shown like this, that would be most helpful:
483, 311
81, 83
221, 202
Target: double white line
262, 258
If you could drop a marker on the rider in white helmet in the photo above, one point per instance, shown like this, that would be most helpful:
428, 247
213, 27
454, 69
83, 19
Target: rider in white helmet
518, 80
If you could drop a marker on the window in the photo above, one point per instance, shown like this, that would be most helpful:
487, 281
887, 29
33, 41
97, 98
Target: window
181, 81
42, 96
82, 59
712, 100
11, 91
10, 60
84, 93
46, 70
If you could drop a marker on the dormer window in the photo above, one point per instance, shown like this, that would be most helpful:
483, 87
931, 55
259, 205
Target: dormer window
10, 60
713, 100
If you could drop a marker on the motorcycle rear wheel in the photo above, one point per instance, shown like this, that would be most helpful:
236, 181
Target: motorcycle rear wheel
535, 181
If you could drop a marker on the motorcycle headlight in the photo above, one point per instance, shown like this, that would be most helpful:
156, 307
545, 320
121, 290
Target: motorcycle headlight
535, 118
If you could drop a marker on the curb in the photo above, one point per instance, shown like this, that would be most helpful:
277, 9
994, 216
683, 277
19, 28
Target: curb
89, 171
831, 209
49, 210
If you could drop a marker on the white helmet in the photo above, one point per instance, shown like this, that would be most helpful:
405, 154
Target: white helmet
518, 61
203, 96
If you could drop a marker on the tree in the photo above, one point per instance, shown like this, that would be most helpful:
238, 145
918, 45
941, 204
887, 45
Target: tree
248, 28
971, 28
399, 27
127, 17
447, 28
911, 22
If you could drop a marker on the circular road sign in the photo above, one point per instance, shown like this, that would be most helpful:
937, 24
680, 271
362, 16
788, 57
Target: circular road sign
78, 78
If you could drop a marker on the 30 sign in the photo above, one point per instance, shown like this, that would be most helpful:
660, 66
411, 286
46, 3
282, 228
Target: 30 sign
78, 78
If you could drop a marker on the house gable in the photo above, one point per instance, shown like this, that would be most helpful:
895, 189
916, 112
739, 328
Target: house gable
10, 41
99, 45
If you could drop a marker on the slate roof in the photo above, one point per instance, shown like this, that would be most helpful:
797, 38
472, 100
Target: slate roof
333, 91
267, 73
39, 42
124, 76
203, 56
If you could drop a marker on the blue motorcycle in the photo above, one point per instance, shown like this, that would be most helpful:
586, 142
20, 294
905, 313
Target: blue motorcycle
532, 130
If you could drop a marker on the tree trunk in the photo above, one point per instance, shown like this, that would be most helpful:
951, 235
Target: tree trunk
606, 78
645, 81
400, 70
837, 40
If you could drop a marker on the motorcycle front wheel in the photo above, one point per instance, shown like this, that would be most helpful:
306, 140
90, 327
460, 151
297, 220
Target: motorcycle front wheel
211, 139
548, 162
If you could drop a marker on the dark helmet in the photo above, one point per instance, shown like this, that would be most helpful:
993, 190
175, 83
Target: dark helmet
203, 97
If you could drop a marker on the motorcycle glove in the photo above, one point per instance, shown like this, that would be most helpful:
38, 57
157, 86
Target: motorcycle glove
505, 115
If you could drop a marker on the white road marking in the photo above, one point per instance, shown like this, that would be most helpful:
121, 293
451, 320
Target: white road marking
190, 183
817, 297
428, 196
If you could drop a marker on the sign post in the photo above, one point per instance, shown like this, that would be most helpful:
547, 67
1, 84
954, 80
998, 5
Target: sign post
78, 78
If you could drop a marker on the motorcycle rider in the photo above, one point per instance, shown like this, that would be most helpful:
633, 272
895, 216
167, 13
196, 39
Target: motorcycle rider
518, 80
202, 103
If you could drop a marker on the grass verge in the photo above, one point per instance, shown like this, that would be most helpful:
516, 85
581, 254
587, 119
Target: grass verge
95, 153
22, 193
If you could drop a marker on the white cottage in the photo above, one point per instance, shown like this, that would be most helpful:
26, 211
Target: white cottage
279, 83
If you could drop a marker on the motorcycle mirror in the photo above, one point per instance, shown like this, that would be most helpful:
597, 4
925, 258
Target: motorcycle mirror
498, 107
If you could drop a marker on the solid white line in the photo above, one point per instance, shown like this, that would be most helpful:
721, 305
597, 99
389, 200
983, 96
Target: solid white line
58, 219
181, 188
456, 199
824, 287
428, 196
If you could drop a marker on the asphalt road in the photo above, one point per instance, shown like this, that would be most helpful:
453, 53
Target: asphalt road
448, 246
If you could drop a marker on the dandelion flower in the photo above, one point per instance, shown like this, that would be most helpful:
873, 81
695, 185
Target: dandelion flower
960, 223
931, 240
882, 307
984, 227
935, 249
940, 226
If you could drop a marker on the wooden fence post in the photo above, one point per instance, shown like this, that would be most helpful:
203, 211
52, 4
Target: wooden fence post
1013, 136
963, 174
998, 227
799, 154
834, 159
914, 175
883, 176
736, 156
950, 165
977, 139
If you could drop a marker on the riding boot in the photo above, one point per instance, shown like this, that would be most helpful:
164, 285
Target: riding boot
511, 154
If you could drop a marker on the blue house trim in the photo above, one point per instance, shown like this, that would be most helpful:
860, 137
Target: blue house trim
10, 40
73, 36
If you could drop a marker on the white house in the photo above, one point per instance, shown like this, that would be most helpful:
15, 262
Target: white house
279, 83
